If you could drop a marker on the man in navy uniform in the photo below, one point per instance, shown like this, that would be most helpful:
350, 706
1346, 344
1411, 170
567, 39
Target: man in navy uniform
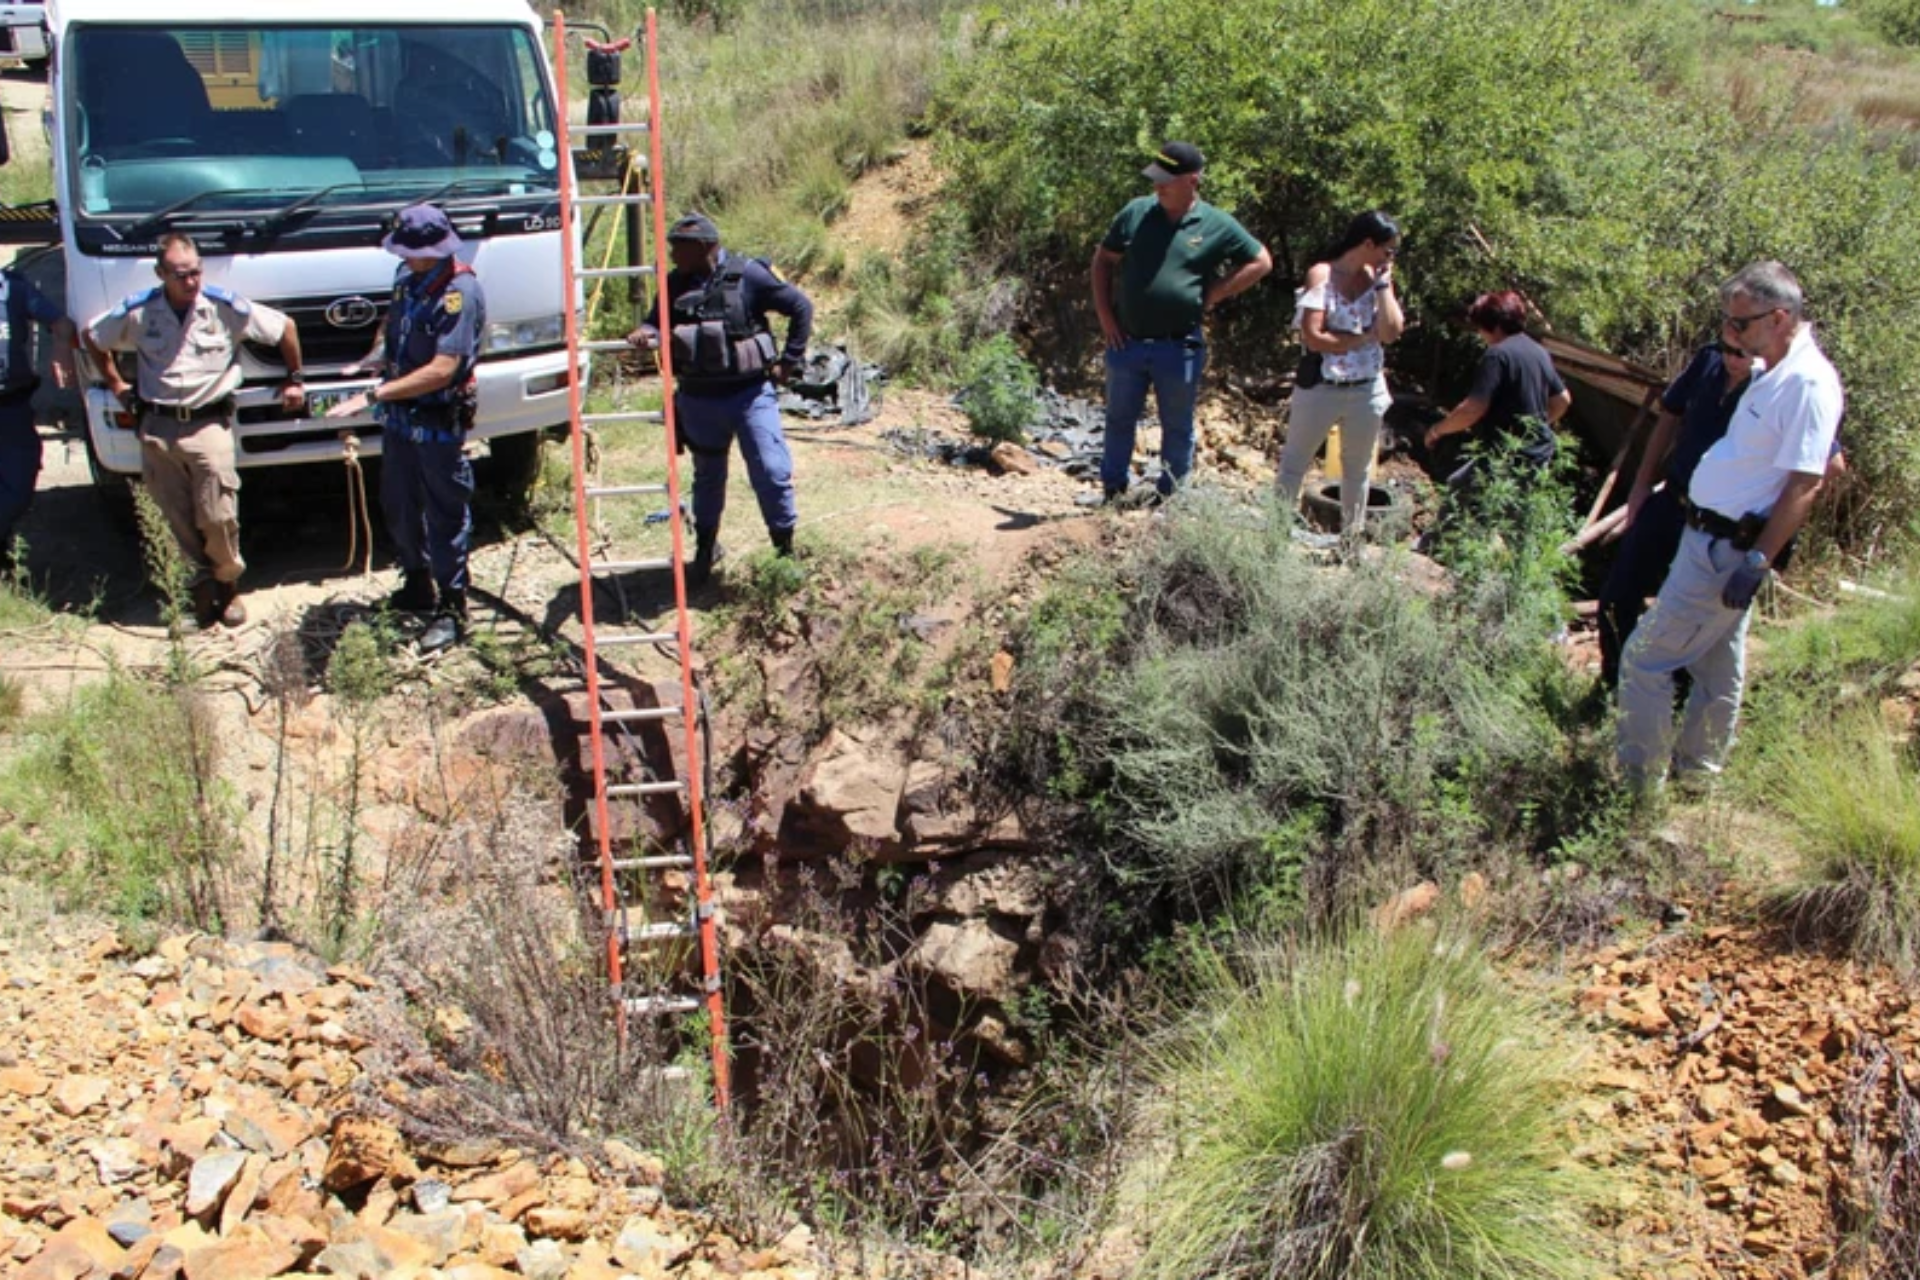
725, 365
427, 346
21, 304
188, 341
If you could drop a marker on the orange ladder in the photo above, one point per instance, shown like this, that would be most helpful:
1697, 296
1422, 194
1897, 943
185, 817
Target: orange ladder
627, 911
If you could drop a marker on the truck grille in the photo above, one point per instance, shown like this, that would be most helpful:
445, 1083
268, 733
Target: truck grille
323, 342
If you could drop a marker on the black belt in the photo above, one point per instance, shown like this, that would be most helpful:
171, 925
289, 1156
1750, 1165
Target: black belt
1349, 382
1742, 533
191, 413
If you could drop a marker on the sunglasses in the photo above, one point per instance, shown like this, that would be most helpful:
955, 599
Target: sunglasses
1739, 323
185, 273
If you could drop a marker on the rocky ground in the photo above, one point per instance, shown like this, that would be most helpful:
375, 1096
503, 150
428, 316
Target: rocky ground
204, 1112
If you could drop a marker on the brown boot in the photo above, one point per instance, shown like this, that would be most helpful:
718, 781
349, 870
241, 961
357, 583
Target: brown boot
232, 612
207, 603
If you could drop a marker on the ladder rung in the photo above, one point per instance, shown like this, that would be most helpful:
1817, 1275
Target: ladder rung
613, 273
657, 1005
643, 415
668, 1075
660, 862
623, 490
636, 637
638, 714
616, 126
624, 790
604, 345
628, 566
600, 202
664, 931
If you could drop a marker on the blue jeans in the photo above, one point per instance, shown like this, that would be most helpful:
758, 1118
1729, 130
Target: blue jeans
709, 422
424, 489
19, 468
1687, 628
1172, 367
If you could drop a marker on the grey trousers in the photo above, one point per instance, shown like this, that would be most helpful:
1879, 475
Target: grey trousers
1687, 627
1311, 414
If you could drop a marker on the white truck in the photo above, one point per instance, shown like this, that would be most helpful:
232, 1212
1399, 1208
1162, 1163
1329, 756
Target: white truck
284, 137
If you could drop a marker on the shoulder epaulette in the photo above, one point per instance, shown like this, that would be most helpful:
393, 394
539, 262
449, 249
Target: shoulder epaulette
133, 300
239, 304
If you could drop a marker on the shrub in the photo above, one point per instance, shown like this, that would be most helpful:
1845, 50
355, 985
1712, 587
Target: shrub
1381, 1109
1230, 718
999, 391
117, 797
1855, 798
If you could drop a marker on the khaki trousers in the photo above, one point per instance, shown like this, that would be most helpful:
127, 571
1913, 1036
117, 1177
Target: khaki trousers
188, 469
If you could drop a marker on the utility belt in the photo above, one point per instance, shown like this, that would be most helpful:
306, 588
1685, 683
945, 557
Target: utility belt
425, 423
221, 408
1742, 533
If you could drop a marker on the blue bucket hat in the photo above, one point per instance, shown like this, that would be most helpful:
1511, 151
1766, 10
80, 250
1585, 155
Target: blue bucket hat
422, 231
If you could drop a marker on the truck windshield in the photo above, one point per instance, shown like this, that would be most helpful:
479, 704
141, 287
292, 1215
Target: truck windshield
246, 118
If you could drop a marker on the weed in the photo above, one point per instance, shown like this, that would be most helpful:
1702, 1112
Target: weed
359, 675
1855, 798
116, 797
999, 391
1878, 1200
1380, 1108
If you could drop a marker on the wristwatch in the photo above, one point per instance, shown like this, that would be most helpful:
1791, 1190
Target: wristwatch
1756, 559
297, 377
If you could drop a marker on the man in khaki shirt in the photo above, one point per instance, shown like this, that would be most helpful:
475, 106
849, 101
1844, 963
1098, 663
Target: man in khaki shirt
187, 338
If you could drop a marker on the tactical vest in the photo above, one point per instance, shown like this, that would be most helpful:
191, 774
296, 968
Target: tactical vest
715, 341
409, 309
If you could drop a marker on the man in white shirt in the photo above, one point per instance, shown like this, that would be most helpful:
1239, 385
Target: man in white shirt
1749, 496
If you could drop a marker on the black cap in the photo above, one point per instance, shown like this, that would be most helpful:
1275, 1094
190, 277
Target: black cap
695, 226
1175, 160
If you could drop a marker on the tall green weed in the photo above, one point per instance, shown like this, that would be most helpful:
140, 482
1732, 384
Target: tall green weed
1378, 1109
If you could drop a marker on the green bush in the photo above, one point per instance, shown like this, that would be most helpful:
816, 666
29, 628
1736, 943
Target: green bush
1854, 796
1559, 145
116, 797
1382, 1109
1225, 718
999, 391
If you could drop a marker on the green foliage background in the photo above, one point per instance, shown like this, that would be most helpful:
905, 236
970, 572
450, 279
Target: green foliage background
1592, 153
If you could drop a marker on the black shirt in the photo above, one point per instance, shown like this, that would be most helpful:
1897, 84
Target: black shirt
1515, 381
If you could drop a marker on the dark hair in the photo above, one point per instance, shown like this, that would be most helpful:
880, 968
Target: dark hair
1503, 312
1371, 227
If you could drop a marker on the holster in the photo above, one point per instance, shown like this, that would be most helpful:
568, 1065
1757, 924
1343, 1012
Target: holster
1747, 529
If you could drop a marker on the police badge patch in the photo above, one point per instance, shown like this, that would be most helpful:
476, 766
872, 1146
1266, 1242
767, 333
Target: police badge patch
452, 303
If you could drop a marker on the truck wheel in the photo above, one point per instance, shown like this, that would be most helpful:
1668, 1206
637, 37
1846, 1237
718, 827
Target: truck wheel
513, 465
114, 493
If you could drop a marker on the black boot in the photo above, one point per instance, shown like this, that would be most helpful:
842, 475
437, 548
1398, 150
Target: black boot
449, 623
782, 542
415, 594
707, 552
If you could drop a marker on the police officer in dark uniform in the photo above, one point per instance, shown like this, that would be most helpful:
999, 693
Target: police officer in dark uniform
427, 346
21, 304
725, 365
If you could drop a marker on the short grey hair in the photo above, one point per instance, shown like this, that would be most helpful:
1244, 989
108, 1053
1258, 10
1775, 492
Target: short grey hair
1768, 283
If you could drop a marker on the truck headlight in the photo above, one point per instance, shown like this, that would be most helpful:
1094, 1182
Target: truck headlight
522, 335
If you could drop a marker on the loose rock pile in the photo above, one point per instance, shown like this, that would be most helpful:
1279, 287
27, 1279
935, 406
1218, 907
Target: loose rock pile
1728, 1087
193, 1114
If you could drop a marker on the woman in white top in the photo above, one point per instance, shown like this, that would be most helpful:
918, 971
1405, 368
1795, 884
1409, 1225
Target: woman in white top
1346, 313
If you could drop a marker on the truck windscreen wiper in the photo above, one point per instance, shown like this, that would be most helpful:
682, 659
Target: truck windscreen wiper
275, 222
161, 217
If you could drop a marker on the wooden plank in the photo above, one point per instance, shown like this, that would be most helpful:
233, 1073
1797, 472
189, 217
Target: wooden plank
1635, 435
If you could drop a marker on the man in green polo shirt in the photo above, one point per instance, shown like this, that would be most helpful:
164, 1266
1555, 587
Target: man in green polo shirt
1178, 258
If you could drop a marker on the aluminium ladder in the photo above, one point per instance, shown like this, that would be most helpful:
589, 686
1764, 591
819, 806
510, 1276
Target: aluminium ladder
620, 903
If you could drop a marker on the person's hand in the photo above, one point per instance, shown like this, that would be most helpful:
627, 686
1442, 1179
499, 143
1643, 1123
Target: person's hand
782, 372
1116, 336
1636, 500
353, 406
1433, 437
646, 337
1745, 583
1383, 275
292, 396
121, 391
